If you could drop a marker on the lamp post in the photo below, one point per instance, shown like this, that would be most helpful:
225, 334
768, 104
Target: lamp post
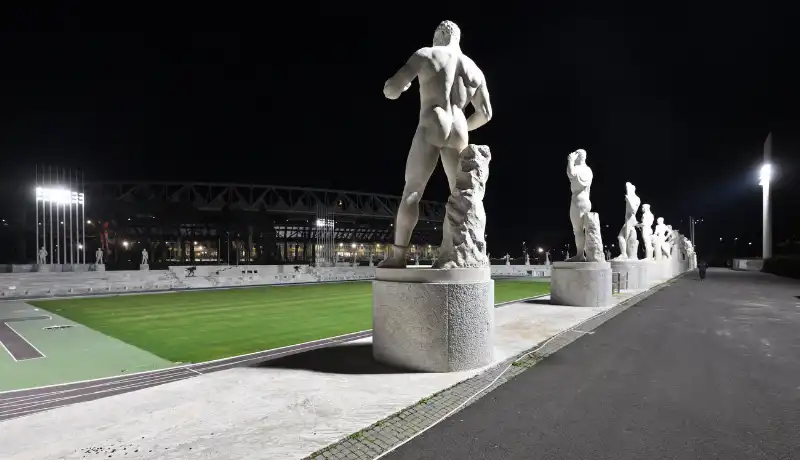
766, 213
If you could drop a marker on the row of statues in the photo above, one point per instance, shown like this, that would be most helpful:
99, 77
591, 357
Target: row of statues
661, 242
98, 256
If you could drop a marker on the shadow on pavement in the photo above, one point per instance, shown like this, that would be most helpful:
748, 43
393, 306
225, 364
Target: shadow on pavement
341, 359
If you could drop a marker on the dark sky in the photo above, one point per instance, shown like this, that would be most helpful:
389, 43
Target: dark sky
676, 99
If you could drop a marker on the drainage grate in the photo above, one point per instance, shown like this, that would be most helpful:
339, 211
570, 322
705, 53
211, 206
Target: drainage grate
54, 328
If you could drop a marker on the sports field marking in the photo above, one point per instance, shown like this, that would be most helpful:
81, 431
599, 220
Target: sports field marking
15, 344
355, 335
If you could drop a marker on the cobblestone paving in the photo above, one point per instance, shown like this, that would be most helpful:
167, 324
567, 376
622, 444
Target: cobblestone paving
380, 437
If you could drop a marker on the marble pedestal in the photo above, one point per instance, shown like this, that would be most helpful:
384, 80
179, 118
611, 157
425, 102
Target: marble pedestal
581, 284
144, 267
634, 271
99, 267
693, 262
433, 320
44, 268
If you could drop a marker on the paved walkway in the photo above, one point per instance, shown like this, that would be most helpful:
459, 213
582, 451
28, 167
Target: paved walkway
698, 370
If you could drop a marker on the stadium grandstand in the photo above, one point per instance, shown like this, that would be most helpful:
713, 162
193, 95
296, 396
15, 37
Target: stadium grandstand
184, 223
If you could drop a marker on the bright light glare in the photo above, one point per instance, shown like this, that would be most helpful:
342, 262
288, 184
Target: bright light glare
765, 175
55, 195
541, 250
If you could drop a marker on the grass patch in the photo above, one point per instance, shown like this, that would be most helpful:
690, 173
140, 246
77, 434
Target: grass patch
196, 326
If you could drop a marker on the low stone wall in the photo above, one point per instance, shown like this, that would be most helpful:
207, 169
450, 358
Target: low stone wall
754, 265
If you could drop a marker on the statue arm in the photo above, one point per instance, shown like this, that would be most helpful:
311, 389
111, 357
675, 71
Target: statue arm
401, 80
483, 108
571, 165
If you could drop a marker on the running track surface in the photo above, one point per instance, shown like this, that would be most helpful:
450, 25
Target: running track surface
19, 403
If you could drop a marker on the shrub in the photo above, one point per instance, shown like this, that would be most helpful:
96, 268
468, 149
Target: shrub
788, 266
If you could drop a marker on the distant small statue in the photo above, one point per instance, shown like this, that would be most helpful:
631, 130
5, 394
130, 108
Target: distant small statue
98, 256
507, 258
547, 258
371, 262
144, 256
416, 258
527, 259
42, 256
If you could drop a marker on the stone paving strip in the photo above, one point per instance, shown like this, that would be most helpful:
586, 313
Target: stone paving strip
386, 435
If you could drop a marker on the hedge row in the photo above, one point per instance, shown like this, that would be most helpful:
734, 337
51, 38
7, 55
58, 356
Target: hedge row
788, 266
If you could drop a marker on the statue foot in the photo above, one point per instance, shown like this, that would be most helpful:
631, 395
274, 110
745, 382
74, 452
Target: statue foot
397, 259
393, 262
580, 258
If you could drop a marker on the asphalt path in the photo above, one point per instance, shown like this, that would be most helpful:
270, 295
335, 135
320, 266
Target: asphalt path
699, 370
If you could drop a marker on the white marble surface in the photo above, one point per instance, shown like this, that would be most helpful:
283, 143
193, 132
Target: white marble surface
464, 230
433, 327
257, 413
581, 284
627, 239
449, 81
580, 182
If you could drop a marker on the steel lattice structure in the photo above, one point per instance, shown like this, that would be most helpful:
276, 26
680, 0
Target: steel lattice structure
275, 199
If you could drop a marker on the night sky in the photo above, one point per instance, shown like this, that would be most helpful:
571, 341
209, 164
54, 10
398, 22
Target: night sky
676, 99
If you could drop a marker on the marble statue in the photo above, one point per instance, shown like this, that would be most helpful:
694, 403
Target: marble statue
646, 226
674, 241
355, 260
547, 258
98, 256
416, 258
42, 256
448, 82
659, 238
144, 256
371, 262
464, 242
687, 243
507, 258
594, 240
580, 179
627, 238
608, 254
527, 259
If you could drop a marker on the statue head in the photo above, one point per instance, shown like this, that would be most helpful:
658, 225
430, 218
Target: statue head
581, 156
447, 33
646, 207
660, 221
669, 227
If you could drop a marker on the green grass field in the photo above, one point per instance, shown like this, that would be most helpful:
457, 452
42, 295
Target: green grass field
199, 326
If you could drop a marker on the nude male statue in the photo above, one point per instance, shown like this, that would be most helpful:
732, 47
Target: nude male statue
580, 180
448, 82
647, 231
627, 239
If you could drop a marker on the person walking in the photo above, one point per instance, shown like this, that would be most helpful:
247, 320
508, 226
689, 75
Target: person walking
702, 266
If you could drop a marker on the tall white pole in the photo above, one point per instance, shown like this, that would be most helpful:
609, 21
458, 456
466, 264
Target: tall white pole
36, 200
69, 221
83, 216
766, 218
64, 216
50, 202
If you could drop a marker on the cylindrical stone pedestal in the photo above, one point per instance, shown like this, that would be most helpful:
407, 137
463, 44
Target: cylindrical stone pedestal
144, 267
433, 320
43, 268
581, 284
99, 267
634, 270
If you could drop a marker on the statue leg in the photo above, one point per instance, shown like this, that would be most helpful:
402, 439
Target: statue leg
576, 216
421, 162
623, 245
